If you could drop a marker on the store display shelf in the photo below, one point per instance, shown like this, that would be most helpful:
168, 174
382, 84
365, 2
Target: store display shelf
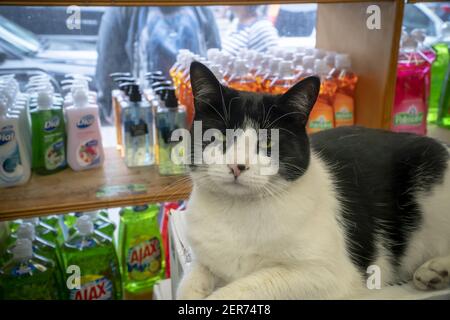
113, 185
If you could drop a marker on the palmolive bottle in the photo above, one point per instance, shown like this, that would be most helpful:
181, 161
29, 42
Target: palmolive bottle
322, 114
344, 100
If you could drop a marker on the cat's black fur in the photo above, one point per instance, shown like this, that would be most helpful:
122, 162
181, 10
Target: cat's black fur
377, 173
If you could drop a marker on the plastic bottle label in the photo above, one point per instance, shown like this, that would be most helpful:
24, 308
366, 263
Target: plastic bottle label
410, 116
86, 121
55, 154
144, 258
321, 118
88, 153
343, 110
93, 287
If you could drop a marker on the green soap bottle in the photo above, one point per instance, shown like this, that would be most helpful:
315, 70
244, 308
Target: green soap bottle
438, 71
444, 103
48, 135
43, 248
28, 276
92, 254
140, 248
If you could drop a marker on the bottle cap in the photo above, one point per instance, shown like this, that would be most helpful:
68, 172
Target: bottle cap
320, 67
285, 69
212, 54
289, 55
26, 231
419, 35
319, 53
217, 71
240, 67
308, 62
84, 225
298, 59
23, 249
274, 65
80, 97
342, 61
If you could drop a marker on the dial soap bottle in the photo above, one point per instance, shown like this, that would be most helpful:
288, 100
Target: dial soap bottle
84, 146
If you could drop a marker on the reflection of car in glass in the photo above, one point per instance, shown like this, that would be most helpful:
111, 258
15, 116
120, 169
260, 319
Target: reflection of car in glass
419, 16
21, 49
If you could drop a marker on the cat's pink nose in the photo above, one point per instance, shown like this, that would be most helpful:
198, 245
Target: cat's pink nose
237, 169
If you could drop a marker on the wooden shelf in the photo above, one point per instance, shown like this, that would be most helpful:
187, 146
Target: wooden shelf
113, 185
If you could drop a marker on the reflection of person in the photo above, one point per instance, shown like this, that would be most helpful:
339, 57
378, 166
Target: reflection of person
123, 30
249, 31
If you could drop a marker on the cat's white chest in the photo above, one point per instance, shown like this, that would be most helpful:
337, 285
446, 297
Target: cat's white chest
232, 245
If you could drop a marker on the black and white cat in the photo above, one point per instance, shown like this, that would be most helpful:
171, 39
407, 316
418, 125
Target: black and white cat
343, 199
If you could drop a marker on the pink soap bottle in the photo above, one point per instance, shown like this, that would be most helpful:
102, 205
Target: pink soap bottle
409, 113
84, 141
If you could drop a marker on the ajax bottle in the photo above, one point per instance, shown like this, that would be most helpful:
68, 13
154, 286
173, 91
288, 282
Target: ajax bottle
344, 101
15, 166
49, 137
170, 116
28, 276
140, 248
322, 114
84, 140
95, 256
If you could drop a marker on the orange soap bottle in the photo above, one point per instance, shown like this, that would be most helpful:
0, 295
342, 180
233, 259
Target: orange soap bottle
241, 79
271, 74
322, 114
284, 80
344, 102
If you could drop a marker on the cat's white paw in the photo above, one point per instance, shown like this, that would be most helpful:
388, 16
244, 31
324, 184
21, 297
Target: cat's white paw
433, 275
195, 285
189, 291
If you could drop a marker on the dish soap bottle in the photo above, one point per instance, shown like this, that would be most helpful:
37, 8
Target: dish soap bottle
48, 138
322, 114
84, 142
169, 117
344, 102
15, 166
94, 254
140, 248
28, 276
138, 130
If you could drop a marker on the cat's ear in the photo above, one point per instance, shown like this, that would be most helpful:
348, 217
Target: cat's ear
206, 89
302, 96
